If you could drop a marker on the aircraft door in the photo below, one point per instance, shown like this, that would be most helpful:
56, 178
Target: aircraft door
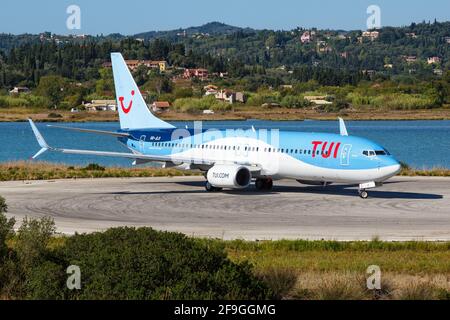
141, 143
345, 154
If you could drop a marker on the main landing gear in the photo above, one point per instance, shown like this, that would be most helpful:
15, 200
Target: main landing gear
264, 184
210, 188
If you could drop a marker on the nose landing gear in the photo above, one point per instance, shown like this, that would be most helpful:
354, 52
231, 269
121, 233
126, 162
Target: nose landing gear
363, 194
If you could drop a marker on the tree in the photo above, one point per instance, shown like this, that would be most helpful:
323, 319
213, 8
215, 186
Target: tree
6, 229
32, 240
53, 88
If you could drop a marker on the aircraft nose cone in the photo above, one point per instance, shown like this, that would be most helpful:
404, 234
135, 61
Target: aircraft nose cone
396, 168
391, 168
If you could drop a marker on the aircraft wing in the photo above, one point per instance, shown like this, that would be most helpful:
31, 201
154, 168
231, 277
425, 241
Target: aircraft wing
115, 134
176, 159
136, 156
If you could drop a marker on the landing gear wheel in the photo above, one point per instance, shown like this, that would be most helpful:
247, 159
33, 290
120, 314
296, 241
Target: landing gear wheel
263, 184
269, 184
210, 188
363, 194
259, 184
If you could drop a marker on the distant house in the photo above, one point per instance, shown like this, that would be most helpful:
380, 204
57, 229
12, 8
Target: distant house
211, 92
411, 35
226, 95
321, 102
230, 96
18, 90
388, 66
101, 105
438, 72
240, 97
74, 110
410, 59
132, 64
433, 60
160, 106
372, 35
161, 65
306, 37
199, 73
447, 39
318, 100
368, 72
324, 49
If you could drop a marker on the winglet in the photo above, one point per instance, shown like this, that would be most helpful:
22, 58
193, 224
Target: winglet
342, 128
40, 139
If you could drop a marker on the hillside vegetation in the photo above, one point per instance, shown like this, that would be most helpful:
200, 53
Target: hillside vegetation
271, 68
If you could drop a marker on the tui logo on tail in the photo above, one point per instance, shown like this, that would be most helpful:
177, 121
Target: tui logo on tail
126, 109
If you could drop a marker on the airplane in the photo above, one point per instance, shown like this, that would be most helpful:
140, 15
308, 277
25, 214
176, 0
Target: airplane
234, 160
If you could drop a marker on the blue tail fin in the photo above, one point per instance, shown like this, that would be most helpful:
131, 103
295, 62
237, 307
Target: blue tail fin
133, 111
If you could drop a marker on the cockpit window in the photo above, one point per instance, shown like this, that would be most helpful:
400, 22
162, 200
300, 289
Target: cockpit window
369, 153
380, 152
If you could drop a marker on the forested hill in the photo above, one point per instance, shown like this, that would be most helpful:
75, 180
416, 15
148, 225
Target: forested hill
332, 57
211, 28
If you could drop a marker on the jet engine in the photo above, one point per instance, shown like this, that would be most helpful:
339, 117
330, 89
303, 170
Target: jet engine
229, 176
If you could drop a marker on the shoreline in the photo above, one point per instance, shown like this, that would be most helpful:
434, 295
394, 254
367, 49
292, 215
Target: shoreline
239, 114
27, 171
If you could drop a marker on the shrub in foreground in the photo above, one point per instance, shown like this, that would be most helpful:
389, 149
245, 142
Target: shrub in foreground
143, 263
129, 263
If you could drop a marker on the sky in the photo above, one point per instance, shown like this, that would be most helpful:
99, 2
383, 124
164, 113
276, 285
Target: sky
133, 16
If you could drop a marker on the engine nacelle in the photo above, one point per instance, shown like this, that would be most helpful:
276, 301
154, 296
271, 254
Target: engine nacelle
229, 176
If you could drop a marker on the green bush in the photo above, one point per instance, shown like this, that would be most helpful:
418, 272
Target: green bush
3, 205
193, 105
128, 263
32, 240
291, 101
6, 230
94, 167
54, 115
